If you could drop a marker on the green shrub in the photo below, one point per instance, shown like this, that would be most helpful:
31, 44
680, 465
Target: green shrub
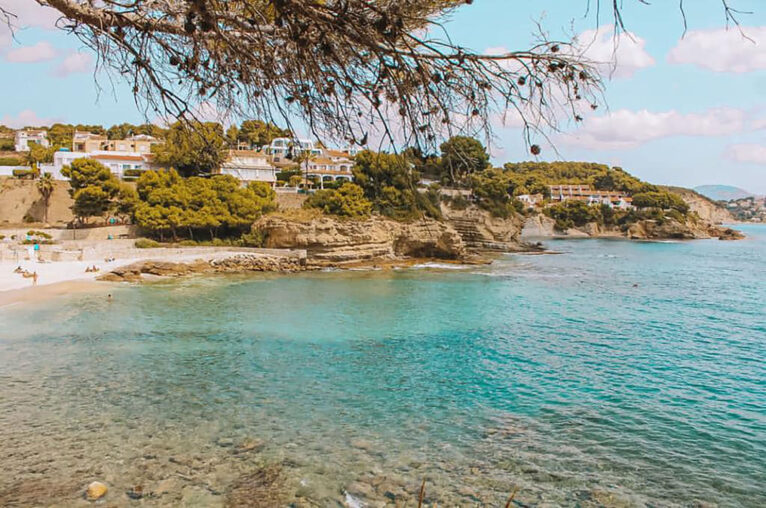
133, 172
573, 214
348, 201
24, 173
145, 243
675, 214
458, 202
40, 234
253, 239
663, 200
10, 161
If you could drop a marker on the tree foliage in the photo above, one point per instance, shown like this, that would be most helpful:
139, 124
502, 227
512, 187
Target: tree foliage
92, 186
462, 156
257, 133
493, 190
192, 150
662, 200
346, 201
390, 183
45, 187
336, 65
38, 154
168, 203
125, 130
570, 214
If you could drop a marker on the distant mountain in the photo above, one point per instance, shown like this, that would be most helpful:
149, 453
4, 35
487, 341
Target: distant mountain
722, 192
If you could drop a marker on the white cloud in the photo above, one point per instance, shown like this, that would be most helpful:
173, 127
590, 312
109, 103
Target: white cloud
74, 62
722, 50
26, 118
759, 123
625, 129
618, 56
29, 13
39, 52
747, 152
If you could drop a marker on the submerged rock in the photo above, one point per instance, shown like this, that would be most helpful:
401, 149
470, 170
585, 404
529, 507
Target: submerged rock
95, 491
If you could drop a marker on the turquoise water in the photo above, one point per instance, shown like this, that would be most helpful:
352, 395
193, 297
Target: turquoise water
615, 374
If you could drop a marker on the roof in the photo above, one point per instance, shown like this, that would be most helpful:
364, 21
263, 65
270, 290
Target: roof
247, 153
118, 157
328, 172
337, 153
87, 135
141, 137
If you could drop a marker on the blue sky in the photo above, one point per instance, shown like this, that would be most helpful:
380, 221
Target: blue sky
685, 111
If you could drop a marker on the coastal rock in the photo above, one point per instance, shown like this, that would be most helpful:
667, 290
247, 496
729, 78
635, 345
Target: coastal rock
538, 225
707, 210
332, 241
231, 263
481, 231
95, 491
727, 234
576, 233
592, 229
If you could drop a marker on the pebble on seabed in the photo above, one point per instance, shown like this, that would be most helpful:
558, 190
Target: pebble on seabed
96, 490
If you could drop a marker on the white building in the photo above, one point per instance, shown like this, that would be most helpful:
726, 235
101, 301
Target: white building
117, 162
249, 166
24, 137
280, 147
328, 169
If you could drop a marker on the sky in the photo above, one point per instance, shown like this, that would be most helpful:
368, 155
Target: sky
684, 108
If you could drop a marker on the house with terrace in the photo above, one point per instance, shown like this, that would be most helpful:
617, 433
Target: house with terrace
577, 192
26, 136
249, 166
329, 168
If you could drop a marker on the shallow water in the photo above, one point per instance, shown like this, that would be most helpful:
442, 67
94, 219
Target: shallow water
615, 374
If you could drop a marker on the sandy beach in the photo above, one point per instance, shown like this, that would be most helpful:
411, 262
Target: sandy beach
61, 277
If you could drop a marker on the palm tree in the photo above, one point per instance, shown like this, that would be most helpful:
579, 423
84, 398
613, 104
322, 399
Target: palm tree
45, 187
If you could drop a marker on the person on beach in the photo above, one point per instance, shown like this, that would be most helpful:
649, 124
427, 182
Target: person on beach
34, 278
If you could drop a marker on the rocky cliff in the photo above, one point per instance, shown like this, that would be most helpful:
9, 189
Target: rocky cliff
330, 241
707, 209
481, 231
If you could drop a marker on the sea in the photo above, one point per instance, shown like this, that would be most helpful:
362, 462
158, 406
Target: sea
611, 373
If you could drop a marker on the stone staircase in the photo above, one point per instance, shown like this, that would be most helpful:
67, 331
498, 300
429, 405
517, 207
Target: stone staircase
473, 237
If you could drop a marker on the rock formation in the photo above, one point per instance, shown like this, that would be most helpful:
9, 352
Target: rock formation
333, 241
481, 231
235, 263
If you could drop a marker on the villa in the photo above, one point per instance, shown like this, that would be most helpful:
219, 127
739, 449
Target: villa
331, 167
566, 192
281, 147
249, 166
117, 162
24, 137
88, 142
